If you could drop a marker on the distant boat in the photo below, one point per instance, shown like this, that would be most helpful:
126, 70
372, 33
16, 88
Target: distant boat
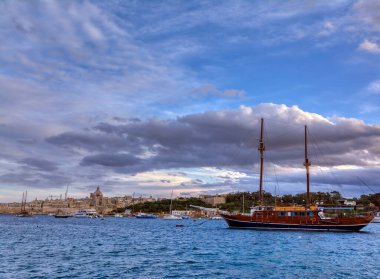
216, 218
186, 216
171, 216
86, 213
117, 215
377, 218
24, 212
62, 214
145, 216
309, 218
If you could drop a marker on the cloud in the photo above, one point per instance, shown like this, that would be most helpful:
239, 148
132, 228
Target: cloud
36, 180
209, 89
110, 160
374, 87
368, 12
227, 138
370, 47
327, 29
39, 164
213, 152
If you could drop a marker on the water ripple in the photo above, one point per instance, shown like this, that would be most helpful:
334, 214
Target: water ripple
45, 247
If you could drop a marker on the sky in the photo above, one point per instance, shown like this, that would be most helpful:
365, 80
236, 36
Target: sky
147, 97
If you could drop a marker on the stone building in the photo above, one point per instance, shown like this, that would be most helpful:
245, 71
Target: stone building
97, 198
213, 200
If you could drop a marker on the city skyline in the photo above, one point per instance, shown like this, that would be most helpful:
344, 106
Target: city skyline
145, 97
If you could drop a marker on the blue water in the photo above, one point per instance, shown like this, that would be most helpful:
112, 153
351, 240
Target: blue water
45, 247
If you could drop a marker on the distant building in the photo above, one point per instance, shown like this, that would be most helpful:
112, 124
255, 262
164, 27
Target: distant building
213, 200
97, 200
347, 201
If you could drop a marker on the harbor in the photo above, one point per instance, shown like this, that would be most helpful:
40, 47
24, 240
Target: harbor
190, 139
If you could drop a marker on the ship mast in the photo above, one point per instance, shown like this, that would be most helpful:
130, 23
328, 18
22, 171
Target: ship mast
261, 149
307, 165
22, 202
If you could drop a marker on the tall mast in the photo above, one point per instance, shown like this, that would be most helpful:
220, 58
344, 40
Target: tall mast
171, 201
261, 149
26, 193
22, 202
307, 165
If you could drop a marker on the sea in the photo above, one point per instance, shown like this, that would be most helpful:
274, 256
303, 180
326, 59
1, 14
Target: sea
46, 247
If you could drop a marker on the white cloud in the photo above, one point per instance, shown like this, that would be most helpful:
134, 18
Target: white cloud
210, 89
370, 47
374, 87
327, 29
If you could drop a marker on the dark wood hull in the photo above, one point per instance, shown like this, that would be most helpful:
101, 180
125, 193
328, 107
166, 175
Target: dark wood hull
235, 223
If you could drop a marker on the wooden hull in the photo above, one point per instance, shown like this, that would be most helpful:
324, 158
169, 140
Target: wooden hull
242, 222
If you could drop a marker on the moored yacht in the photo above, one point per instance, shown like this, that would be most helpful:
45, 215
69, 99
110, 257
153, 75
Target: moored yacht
86, 213
171, 216
141, 215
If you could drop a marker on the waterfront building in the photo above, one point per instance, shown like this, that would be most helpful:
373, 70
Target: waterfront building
96, 200
213, 200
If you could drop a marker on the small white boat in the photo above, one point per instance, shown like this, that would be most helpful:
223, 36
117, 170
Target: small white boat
377, 218
86, 213
117, 215
172, 217
216, 218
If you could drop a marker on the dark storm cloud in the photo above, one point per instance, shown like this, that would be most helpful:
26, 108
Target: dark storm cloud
95, 141
110, 160
36, 180
39, 164
228, 139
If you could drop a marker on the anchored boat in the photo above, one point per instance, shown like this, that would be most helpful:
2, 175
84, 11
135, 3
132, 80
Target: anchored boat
24, 212
309, 217
377, 218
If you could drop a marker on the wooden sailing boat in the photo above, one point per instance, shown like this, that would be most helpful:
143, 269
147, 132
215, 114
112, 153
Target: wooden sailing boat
309, 217
24, 212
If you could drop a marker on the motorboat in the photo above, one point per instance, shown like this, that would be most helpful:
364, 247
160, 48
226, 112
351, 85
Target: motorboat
172, 217
145, 216
62, 214
86, 213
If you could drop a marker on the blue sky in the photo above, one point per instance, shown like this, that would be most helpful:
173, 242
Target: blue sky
88, 90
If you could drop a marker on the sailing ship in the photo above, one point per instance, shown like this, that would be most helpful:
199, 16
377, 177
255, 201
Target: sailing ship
24, 212
171, 216
309, 218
